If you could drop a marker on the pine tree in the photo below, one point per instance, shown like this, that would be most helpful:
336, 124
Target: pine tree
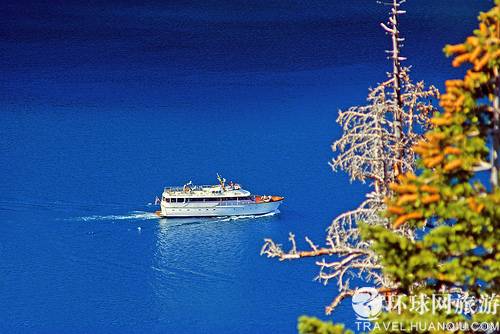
376, 146
458, 213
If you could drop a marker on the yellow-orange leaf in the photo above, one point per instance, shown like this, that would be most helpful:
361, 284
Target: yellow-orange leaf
412, 215
458, 48
408, 188
452, 150
450, 166
454, 83
448, 97
475, 53
428, 199
459, 60
483, 28
429, 189
433, 162
407, 199
472, 203
410, 176
460, 101
440, 121
480, 208
482, 62
472, 40
435, 136
397, 210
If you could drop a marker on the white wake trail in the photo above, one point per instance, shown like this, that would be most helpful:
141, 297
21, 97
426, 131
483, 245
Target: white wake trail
144, 215
136, 215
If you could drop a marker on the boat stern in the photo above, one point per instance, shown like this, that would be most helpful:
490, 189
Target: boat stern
268, 199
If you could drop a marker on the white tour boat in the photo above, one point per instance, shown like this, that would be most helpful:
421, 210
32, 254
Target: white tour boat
214, 201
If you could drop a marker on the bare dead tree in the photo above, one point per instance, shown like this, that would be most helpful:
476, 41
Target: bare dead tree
392, 29
376, 147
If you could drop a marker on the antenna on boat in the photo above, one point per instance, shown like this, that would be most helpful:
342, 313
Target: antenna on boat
221, 181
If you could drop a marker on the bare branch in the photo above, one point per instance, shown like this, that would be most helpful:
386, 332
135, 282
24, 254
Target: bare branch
340, 297
375, 146
313, 246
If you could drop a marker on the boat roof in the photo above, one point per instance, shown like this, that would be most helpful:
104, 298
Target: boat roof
205, 191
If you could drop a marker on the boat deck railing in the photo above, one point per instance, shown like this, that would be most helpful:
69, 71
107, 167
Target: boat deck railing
194, 188
213, 189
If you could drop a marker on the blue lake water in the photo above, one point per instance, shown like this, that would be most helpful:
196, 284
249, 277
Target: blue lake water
103, 105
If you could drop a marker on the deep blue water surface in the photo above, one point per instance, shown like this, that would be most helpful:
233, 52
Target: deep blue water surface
101, 105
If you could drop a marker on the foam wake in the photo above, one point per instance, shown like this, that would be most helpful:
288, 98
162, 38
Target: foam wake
135, 215
144, 215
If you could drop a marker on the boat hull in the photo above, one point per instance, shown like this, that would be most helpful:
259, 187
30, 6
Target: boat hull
219, 210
